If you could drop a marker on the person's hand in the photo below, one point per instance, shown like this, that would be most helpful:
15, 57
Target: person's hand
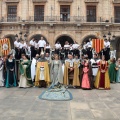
102, 71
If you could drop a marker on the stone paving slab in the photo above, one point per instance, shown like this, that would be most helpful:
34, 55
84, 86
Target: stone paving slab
24, 104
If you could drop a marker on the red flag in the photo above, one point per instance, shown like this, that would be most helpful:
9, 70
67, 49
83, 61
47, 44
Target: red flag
98, 44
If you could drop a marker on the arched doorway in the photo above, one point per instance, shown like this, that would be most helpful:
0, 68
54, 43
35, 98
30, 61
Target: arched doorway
38, 36
12, 39
86, 39
64, 38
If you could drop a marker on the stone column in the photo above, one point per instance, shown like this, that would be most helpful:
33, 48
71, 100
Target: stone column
0, 9
25, 9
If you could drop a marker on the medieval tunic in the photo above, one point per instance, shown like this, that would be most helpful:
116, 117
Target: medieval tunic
56, 72
102, 79
87, 82
118, 74
71, 75
42, 72
25, 74
1, 73
94, 64
10, 78
112, 72
33, 68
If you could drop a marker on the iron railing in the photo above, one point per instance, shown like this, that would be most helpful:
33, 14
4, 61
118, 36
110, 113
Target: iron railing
58, 19
115, 20
10, 19
65, 19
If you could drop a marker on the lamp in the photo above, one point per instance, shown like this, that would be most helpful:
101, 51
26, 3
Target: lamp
109, 36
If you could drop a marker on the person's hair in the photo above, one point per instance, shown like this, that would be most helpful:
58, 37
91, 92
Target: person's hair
9, 56
24, 55
113, 60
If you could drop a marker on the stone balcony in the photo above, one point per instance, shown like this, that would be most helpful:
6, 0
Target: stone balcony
116, 1
68, 1
91, 1
39, 1
12, 1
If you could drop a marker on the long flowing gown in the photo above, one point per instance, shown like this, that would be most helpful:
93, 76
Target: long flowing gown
10, 78
1, 73
87, 82
118, 75
56, 91
112, 72
56, 72
25, 74
102, 79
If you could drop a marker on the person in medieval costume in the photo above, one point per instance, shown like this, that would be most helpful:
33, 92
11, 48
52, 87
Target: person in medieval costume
1, 72
118, 71
56, 71
42, 78
33, 67
56, 91
71, 72
10, 76
102, 79
25, 73
94, 63
87, 81
112, 71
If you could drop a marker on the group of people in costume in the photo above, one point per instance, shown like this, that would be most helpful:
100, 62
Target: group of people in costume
78, 67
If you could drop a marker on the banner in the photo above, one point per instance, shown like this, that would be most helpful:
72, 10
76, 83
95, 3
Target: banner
98, 44
5, 46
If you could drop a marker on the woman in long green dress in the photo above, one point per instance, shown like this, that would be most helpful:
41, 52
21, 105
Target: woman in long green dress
10, 74
118, 71
25, 73
112, 71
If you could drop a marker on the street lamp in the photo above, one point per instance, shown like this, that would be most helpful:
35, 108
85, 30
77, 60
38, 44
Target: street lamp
109, 37
20, 36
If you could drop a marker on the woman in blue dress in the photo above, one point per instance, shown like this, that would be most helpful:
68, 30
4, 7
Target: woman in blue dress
10, 76
118, 71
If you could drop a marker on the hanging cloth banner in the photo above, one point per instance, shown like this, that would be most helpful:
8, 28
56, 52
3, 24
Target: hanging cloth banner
5, 46
98, 44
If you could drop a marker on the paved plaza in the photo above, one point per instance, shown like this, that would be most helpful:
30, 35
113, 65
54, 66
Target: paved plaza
24, 104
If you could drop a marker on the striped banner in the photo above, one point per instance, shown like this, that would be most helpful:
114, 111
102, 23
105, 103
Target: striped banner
98, 44
5, 46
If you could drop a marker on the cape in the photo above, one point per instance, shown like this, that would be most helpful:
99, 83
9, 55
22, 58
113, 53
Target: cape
76, 81
46, 73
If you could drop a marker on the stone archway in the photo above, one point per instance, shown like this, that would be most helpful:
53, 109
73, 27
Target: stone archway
63, 38
38, 36
86, 39
12, 39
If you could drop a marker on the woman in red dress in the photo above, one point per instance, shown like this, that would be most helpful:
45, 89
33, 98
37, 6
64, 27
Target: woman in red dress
102, 79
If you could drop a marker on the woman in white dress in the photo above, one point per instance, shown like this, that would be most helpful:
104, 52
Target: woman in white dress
1, 72
25, 73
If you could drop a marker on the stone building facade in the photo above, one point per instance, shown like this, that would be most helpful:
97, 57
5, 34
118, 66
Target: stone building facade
61, 20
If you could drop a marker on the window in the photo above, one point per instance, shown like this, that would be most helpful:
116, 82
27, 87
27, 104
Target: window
65, 13
12, 13
39, 13
91, 13
117, 14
